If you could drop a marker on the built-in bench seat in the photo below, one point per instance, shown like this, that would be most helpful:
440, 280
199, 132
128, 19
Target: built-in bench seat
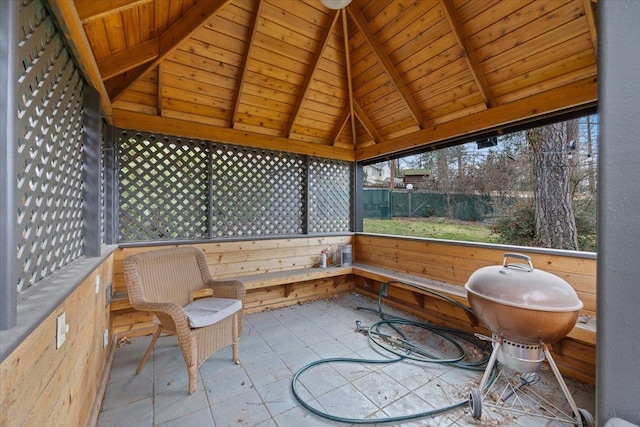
418, 285
287, 278
584, 330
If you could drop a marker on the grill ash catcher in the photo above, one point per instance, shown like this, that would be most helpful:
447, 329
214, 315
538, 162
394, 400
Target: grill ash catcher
525, 309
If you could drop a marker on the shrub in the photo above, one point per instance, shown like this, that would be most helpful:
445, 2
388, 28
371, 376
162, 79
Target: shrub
517, 227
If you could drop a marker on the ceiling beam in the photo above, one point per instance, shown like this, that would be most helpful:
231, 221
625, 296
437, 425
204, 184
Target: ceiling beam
245, 61
469, 53
366, 123
580, 94
347, 62
589, 5
67, 18
128, 59
90, 10
339, 127
323, 42
171, 38
391, 71
170, 126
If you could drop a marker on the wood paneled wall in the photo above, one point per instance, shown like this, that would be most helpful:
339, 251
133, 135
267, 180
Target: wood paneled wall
453, 263
447, 262
243, 258
45, 386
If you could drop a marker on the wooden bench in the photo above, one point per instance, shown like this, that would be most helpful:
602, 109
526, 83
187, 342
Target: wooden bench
287, 278
584, 330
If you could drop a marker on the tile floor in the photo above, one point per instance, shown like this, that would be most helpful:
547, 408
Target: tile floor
274, 346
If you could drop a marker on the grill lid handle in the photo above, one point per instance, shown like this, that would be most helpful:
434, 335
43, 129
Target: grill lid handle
519, 266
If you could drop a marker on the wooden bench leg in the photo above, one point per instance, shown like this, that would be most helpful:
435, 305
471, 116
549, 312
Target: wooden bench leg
148, 352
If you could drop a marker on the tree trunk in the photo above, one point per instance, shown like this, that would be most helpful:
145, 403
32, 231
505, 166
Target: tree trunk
555, 221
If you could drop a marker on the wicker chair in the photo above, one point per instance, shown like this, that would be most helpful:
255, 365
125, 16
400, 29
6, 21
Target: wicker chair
164, 282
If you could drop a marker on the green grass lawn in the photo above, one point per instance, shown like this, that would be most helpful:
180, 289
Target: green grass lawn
436, 228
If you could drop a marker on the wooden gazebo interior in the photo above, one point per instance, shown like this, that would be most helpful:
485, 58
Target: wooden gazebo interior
367, 82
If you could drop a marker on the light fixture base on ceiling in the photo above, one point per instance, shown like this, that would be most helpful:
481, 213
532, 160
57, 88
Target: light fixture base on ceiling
335, 4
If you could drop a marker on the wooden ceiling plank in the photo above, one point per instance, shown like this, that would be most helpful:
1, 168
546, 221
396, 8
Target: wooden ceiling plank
90, 10
132, 26
245, 61
362, 25
302, 94
67, 18
469, 52
173, 36
160, 87
128, 59
572, 96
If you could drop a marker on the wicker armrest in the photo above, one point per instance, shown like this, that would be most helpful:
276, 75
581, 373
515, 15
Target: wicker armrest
227, 289
167, 309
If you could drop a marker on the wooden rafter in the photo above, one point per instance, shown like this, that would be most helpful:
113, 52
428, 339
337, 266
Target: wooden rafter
245, 61
391, 71
90, 10
366, 123
170, 39
324, 41
342, 122
347, 62
591, 19
129, 59
67, 17
469, 53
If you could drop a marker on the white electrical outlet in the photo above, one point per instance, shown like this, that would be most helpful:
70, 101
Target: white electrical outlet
62, 328
105, 338
97, 283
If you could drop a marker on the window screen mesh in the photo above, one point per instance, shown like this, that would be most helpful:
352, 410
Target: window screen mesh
49, 149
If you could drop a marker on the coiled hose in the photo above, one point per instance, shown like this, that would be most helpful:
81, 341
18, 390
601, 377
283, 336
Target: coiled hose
403, 348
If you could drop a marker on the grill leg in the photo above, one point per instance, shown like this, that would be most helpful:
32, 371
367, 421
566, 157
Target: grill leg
563, 385
490, 364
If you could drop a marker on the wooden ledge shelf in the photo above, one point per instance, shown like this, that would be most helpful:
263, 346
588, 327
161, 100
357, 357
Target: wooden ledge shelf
291, 277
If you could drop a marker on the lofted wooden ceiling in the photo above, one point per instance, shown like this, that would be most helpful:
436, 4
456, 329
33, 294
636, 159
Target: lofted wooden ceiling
372, 79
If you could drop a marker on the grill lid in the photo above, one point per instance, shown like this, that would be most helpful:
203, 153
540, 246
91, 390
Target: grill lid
520, 285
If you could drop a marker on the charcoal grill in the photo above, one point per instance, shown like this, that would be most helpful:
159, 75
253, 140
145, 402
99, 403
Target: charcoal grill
525, 309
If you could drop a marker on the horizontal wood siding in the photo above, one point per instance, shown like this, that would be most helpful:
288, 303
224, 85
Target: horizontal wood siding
42, 385
448, 262
453, 263
243, 258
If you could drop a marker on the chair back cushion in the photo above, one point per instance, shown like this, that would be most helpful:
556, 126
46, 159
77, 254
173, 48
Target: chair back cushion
166, 275
207, 311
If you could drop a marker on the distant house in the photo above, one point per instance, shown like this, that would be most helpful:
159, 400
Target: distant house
377, 175
417, 177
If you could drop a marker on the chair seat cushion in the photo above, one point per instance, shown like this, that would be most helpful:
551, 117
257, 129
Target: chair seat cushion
207, 311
